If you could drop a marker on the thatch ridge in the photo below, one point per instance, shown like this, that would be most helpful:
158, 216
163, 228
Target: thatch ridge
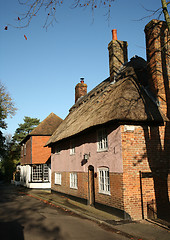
122, 100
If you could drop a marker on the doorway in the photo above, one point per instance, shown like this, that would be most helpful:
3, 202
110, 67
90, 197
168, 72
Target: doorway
91, 195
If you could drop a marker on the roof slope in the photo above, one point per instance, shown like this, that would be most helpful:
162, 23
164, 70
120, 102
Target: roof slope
125, 99
46, 127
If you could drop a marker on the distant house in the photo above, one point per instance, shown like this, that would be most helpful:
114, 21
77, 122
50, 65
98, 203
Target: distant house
113, 148
35, 169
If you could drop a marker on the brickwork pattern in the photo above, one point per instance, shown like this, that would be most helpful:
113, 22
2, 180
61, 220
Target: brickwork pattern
142, 152
115, 199
36, 153
40, 154
26, 158
158, 57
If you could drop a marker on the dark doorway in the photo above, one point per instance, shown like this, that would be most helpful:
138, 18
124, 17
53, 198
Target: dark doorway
91, 197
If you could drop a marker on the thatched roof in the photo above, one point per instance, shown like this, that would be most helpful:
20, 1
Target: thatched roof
124, 100
46, 127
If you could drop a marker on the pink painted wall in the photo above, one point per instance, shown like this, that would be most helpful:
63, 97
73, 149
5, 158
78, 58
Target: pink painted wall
86, 143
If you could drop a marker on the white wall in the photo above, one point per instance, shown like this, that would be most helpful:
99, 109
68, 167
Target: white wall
25, 178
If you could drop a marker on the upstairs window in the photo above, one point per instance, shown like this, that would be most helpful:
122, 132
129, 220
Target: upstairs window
22, 151
25, 149
73, 180
72, 147
102, 142
104, 181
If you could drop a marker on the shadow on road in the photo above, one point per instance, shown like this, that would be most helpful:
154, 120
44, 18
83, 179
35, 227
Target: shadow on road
11, 231
22, 217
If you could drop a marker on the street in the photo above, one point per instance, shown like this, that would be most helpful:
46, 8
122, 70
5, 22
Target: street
26, 218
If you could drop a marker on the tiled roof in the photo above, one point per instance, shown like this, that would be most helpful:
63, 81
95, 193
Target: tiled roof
46, 127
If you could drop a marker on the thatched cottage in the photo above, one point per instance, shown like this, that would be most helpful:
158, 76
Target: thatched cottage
35, 168
113, 147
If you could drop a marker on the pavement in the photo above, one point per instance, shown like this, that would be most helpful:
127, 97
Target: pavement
137, 230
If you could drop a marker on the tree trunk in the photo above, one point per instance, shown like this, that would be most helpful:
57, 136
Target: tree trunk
166, 14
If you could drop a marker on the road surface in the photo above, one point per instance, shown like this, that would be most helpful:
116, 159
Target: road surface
26, 218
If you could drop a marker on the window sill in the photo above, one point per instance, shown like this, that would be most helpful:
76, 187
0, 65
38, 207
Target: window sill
74, 188
59, 184
39, 181
105, 193
102, 150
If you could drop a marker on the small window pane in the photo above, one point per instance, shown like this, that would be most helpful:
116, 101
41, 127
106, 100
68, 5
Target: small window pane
72, 147
104, 181
40, 173
102, 143
73, 180
58, 178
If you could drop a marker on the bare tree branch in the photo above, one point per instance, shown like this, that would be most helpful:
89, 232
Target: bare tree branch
33, 8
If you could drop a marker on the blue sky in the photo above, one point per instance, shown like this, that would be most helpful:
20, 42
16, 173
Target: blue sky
40, 73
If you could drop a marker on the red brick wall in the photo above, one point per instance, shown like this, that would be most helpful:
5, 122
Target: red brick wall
115, 199
26, 159
40, 154
82, 182
143, 151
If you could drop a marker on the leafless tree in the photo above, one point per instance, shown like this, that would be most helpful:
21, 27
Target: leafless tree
33, 7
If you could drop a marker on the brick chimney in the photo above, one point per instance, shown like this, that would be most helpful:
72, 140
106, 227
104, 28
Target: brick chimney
80, 89
117, 54
158, 60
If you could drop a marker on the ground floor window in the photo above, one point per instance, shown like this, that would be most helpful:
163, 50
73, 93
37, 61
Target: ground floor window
104, 181
40, 173
73, 180
58, 178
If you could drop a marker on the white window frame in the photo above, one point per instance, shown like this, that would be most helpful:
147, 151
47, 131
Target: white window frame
22, 150
25, 149
72, 147
73, 180
102, 140
57, 178
40, 173
104, 180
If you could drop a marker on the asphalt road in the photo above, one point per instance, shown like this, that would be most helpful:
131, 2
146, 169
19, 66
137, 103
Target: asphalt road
26, 218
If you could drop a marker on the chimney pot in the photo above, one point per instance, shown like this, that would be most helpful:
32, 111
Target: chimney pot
82, 80
114, 34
